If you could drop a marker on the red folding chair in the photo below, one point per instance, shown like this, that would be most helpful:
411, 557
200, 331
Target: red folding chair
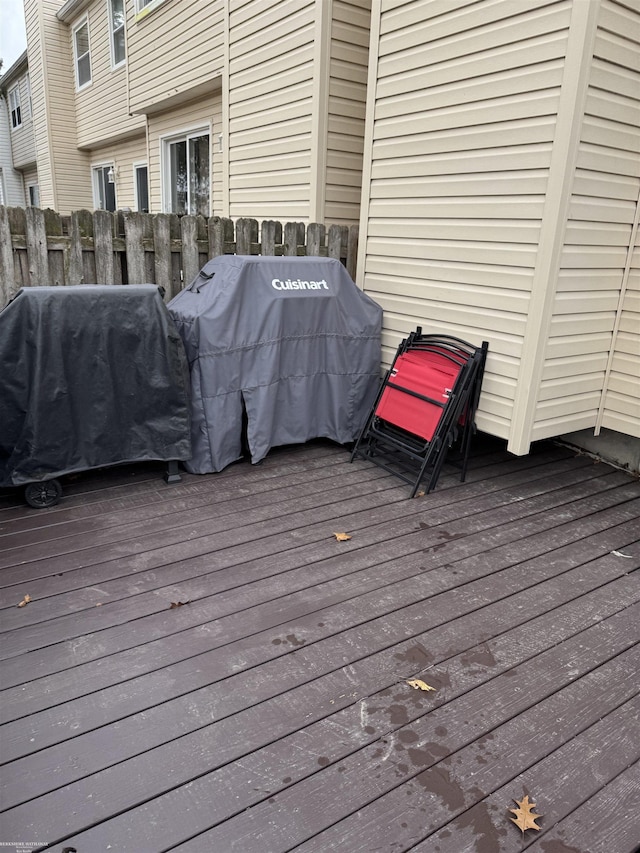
427, 402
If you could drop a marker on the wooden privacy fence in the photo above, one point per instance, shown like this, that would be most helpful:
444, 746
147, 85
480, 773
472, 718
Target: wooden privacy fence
41, 247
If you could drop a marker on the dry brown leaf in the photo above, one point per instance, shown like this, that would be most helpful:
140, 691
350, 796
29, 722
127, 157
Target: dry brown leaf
421, 493
178, 604
525, 817
25, 601
342, 537
418, 684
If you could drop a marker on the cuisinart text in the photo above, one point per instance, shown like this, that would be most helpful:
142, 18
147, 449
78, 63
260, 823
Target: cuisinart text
297, 284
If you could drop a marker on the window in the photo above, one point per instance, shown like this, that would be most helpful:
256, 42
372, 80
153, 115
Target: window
186, 173
104, 187
82, 55
142, 187
34, 195
15, 108
142, 4
116, 19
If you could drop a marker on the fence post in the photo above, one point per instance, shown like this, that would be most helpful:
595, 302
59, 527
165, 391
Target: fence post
270, 236
293, 237
162, 252
7, 269
315, 238
81, 226
37, 254
137, 226
246, 236
337, 241
103, 223
190, 255
220, 233
352, 251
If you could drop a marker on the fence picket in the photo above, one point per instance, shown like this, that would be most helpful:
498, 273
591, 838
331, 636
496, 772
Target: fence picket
41, 247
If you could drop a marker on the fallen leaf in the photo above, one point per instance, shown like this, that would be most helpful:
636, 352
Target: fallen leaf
421, 493
25, 601
525, 817
178, 604
99, 604
342, 537
626, 556
417, 684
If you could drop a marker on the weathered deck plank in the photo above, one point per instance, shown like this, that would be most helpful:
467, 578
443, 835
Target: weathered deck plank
270, 712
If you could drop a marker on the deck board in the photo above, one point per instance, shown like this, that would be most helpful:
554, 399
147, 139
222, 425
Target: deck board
271, 711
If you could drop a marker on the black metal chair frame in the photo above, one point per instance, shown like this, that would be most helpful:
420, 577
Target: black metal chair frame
408, 456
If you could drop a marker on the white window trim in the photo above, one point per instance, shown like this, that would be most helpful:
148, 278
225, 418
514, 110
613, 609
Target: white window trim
139, 165
143, 10
15, 95
122, 62
175, 136
28, 81
108, 164
84, 21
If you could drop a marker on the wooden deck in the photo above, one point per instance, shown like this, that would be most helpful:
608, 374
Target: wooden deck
270, 711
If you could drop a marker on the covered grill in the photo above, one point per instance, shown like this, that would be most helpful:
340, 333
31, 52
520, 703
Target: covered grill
289, 343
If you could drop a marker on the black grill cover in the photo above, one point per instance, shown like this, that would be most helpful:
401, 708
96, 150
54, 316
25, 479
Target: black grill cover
90, 376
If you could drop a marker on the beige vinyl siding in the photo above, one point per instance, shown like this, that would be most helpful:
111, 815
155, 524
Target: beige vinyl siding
205, 112
348, 63
593, 353
123, 155
464, 121
23, 143
63, 186
270, 124
173, 49
101, 107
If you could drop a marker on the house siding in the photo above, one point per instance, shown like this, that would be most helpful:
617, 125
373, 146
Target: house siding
270, 113
593, 353
101, 108
205, 112
123, 155
348, 64
11, 183
172, 49
465, 106
62, 168
23, 144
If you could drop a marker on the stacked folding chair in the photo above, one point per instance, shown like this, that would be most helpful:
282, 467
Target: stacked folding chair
426, 404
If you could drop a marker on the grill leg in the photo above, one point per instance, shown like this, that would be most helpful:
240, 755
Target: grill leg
171, 474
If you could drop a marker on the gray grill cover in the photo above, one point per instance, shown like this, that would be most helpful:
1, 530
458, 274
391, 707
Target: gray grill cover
90, 376
293, 338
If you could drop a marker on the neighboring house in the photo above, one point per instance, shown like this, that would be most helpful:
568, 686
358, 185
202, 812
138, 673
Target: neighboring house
219, 107
502, 197
18, 171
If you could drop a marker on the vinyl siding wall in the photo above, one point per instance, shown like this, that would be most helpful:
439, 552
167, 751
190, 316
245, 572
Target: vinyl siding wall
23, 143
618, 53
348, 64
172, 49
62, 168
205, 112
502, 190
463, 126
101, 108
592, 370
11, 183
123, 155
270, 115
